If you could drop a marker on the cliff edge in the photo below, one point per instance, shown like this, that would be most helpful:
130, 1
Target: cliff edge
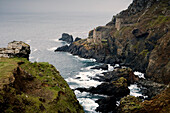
33, 87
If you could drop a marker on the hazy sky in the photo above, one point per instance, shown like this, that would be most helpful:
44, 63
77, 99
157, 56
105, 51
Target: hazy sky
113, 6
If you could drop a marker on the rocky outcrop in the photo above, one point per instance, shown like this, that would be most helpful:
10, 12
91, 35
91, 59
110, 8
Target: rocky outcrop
15, 49
63, 48
158, 104
120, 72
67, 38
117, 88
129, 104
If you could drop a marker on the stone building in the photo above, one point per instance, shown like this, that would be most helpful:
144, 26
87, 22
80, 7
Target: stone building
119, 23
94, 36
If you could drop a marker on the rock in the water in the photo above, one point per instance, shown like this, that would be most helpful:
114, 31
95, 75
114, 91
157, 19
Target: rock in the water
77, 39
67, 38
117, 88
150, 88
120, 72
16, 49
63, 48
103, 67
106, 104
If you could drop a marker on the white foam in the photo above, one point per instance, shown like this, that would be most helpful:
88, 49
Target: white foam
139, 74
85, 82
110, 68
87, 102
83, 59
134, 90
116, 65
52, 48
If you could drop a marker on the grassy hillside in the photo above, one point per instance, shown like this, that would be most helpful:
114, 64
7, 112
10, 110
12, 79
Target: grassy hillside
34, 87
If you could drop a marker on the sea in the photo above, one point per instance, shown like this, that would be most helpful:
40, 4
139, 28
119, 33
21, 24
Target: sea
42, 31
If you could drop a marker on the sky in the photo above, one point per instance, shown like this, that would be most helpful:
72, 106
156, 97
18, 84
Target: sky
50, 6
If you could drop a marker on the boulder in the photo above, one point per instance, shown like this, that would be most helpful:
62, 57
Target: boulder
117, 88
120, 72
106, 104
77, 39
67, 38
63, 48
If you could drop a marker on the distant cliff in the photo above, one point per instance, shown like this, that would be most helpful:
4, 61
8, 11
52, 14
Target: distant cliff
137, 37
27, 87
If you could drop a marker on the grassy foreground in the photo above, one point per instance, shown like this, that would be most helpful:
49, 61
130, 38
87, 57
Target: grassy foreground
34, 87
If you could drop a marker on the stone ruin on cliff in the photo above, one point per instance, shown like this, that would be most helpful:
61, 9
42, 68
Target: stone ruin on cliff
15, 49
94, 36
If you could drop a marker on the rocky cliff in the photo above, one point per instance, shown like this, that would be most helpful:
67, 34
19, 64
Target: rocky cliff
33, 87
137, 37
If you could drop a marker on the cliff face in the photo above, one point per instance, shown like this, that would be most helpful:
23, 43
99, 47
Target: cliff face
137, 37
34, 87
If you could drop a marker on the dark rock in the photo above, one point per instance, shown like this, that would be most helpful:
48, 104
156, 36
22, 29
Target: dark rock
117, 88
139, 34
103, 67
150, 88
77, 77
77, 39
67, 38
120, 72
81, 89
107, 104
63, 48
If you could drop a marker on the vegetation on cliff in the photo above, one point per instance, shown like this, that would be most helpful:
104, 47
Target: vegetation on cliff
34, 87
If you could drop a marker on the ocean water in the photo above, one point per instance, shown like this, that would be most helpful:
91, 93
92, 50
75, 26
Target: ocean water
42, 31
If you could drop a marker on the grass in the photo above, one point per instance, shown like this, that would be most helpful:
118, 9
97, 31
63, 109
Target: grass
144, 52
45, 82
159, 20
